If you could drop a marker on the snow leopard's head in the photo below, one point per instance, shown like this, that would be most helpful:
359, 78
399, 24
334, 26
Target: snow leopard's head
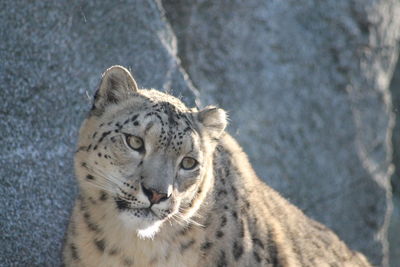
143, 155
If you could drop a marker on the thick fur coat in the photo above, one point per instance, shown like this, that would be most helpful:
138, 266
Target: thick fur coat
164, 185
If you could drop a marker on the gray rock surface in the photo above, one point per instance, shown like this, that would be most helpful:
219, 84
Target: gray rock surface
306, 85
394, 229
51, 54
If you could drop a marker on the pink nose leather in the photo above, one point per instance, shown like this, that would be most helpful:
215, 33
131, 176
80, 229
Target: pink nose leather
156, 197
153, 196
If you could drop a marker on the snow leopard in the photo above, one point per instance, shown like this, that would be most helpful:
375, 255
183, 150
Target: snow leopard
161, 184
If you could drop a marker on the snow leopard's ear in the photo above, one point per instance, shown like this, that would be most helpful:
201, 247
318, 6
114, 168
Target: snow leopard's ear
213, 119
116, 84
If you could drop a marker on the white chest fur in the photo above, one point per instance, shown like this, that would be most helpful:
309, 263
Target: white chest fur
118, 245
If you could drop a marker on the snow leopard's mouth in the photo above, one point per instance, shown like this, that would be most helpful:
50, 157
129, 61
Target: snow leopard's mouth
124, 205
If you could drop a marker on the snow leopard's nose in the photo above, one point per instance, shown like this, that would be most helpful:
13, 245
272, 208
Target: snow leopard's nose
154, 196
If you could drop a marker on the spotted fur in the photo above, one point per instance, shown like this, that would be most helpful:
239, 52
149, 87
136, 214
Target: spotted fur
141, 207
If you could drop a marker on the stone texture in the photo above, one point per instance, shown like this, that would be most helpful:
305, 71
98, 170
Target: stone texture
306, 85
52, 54
394, 230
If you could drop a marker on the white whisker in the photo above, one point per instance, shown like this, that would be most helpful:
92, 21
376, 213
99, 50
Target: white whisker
179, 218
108, 178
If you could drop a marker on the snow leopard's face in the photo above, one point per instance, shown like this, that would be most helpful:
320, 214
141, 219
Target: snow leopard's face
144, 154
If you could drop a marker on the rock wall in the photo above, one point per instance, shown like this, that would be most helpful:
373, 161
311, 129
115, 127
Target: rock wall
52, 55
394, 229
305, 83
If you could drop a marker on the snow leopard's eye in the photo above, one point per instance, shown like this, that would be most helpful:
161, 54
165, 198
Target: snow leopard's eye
134, 142
188, 163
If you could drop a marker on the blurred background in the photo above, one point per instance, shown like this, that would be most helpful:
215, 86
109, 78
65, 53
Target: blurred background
311, 86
